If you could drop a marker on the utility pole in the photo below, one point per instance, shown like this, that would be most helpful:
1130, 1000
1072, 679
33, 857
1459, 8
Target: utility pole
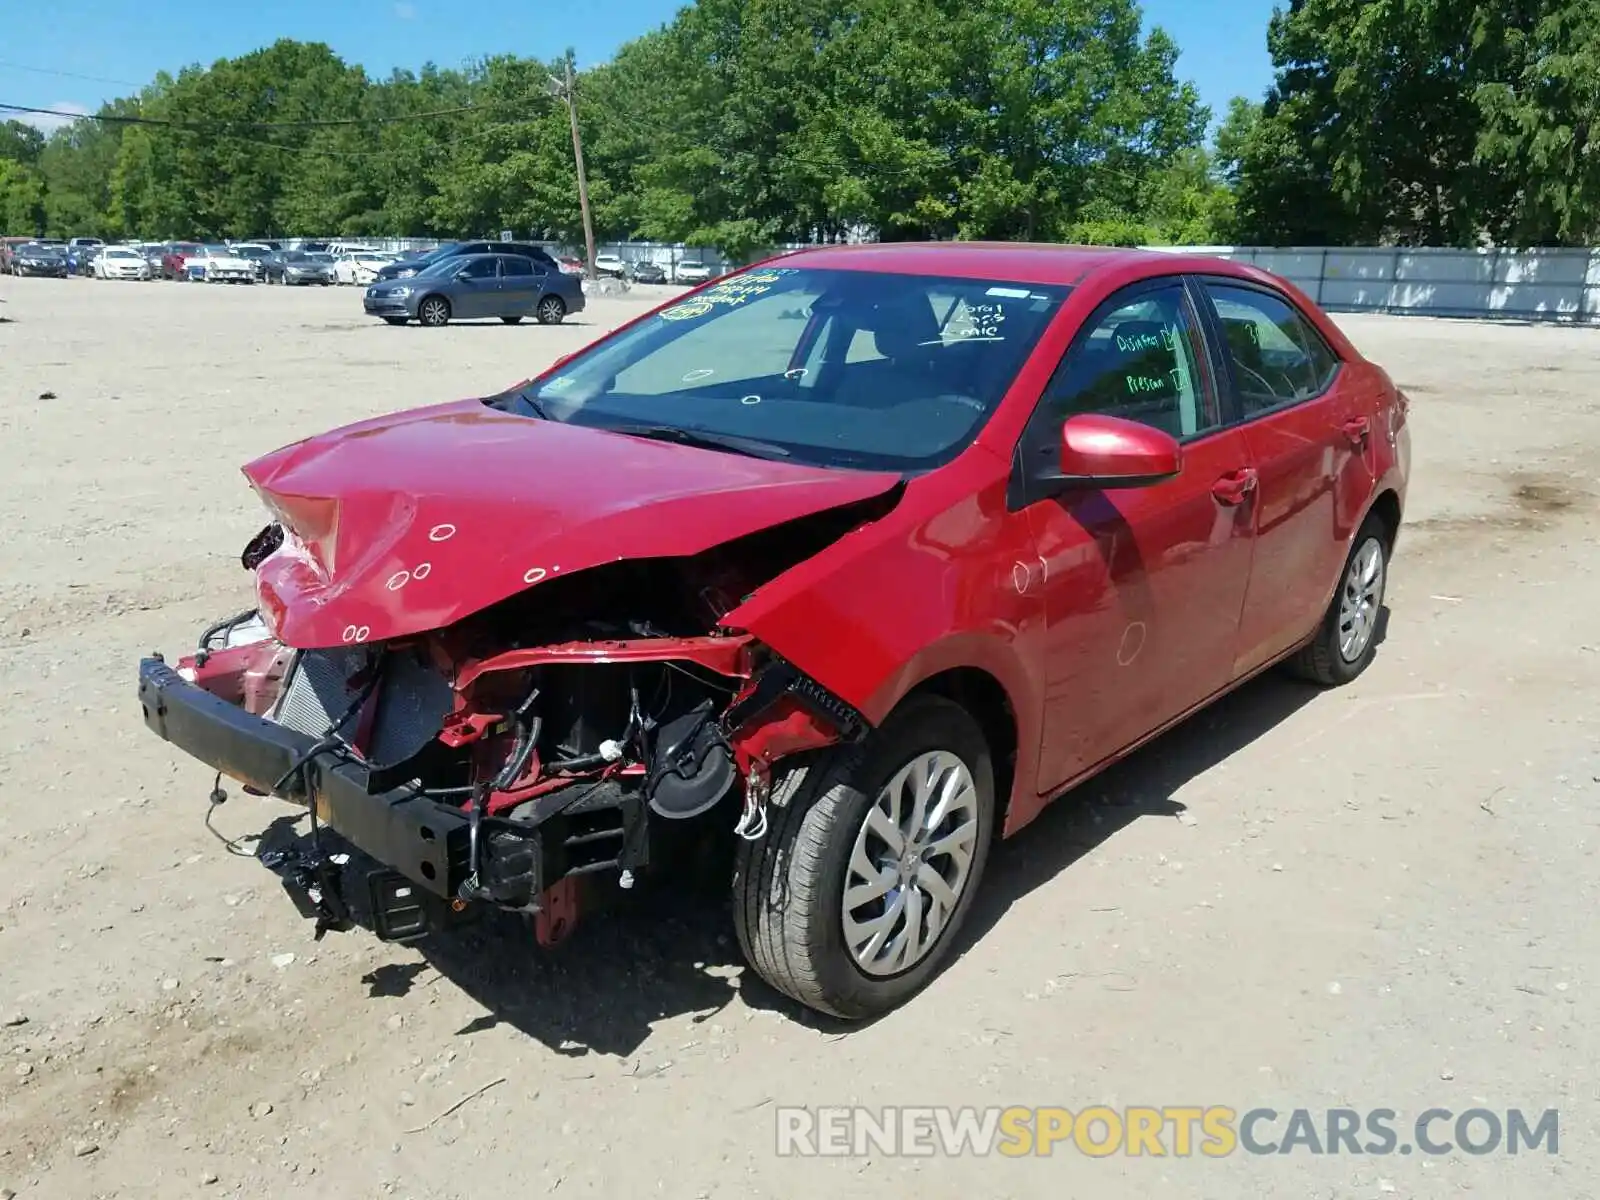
566, 89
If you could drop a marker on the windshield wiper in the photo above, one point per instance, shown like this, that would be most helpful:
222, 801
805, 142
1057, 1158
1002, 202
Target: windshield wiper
532, 403
708, 441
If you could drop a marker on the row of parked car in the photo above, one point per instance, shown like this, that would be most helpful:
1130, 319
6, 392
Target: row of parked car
238, 262
323, 263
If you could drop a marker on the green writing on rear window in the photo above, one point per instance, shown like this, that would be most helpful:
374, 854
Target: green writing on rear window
1144, 385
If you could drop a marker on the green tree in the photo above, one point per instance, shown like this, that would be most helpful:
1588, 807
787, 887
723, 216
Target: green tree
22, 208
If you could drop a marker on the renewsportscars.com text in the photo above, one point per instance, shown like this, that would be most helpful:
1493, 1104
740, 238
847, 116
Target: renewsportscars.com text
1158, 1132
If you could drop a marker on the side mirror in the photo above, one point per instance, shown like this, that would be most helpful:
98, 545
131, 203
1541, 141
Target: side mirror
1111, 452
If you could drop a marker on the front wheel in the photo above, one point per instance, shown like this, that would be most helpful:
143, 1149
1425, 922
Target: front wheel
851, 901
551, 309
1347, 639
434, 312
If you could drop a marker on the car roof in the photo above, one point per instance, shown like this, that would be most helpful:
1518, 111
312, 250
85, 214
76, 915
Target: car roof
1024, 262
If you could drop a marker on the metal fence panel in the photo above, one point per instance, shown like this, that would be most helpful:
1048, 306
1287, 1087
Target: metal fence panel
1529, 285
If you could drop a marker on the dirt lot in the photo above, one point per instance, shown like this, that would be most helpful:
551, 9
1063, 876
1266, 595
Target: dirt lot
1380, 897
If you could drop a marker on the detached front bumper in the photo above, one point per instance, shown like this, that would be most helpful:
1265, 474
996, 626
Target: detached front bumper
422, 840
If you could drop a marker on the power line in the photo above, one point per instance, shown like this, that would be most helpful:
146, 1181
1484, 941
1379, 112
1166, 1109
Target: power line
13, 66
199, 127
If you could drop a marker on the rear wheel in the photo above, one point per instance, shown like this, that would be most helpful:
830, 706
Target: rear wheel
551, 309
1347, 639
434, 312
852, 900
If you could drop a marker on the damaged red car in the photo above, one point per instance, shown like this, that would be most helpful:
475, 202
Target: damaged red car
851, 561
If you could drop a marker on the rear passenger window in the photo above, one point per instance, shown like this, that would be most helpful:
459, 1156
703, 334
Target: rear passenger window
1277, 357
1139, 361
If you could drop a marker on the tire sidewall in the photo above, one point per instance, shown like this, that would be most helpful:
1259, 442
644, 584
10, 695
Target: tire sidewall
922, 728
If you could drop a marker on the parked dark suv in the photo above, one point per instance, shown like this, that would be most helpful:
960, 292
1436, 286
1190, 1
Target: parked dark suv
406, 268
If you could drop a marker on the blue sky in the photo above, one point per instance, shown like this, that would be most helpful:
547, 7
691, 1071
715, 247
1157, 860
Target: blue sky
1223, 41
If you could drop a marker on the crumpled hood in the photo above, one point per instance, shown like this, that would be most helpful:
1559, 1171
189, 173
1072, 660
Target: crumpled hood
410, 522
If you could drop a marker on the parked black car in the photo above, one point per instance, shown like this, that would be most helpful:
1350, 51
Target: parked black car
474, 286
34, 259
298, 267
406, 268
649, 272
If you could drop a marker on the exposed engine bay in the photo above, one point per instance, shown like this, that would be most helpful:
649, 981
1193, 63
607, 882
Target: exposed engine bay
562, 725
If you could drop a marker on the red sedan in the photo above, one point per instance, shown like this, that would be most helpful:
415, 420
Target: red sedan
857, 558
175, 256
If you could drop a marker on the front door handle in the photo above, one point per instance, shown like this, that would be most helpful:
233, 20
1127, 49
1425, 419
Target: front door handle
1358, 430
1235, 487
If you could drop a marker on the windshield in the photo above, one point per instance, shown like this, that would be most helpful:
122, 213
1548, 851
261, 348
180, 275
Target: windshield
319, 256
42, 251
220, 251
836, 368
448, 265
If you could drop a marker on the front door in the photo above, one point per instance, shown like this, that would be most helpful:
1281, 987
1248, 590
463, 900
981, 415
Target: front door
1142, 587
477, 289
1310, 440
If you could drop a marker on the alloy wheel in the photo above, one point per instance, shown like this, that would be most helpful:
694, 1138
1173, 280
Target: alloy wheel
910, 863
1360, 599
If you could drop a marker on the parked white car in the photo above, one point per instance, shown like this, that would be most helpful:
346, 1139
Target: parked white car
360, 267
692, 272
609, 265
122, 262
256, 252
218, 264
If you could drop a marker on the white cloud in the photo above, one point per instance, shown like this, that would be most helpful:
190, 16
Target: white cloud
46, 123
405, 11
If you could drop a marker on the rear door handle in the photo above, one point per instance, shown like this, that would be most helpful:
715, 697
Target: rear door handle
1358, 430
1235, 487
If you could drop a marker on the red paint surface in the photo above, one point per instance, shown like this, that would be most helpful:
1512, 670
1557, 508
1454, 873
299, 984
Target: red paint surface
410, 522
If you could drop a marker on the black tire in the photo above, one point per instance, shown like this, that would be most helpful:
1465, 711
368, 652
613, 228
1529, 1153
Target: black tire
551, 310
396, 320
512, 320
788, 887
1322, 660
434, 312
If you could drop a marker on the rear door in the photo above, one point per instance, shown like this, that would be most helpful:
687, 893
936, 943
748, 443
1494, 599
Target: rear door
520, 283
1310, 440
1142, 587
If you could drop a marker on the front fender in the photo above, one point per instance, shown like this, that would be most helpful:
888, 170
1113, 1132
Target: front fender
931, 587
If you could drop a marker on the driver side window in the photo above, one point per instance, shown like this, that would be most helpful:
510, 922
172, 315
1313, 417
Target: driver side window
482, 268
1139, 359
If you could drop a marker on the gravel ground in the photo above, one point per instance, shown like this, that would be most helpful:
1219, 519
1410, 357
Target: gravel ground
1377, 897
